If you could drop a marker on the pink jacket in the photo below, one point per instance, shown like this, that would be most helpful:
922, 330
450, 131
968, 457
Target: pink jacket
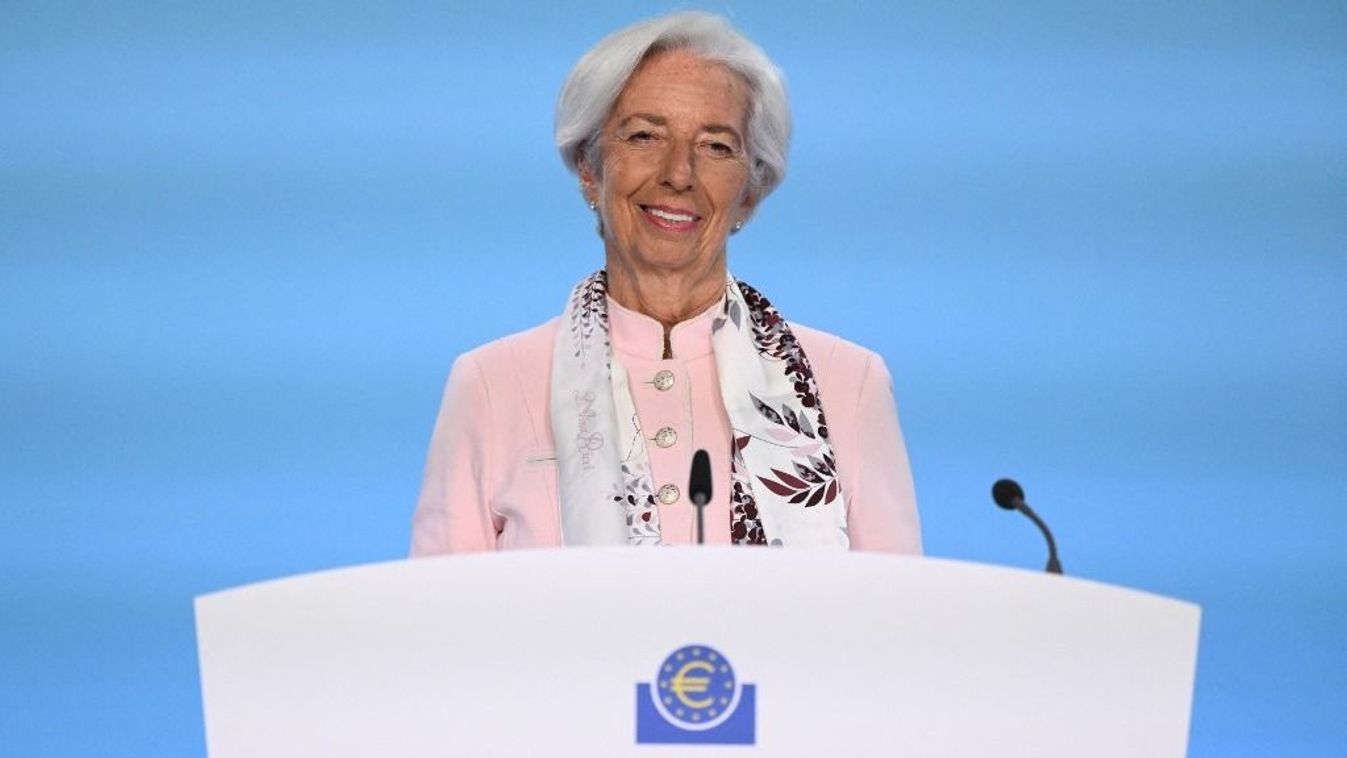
491, 475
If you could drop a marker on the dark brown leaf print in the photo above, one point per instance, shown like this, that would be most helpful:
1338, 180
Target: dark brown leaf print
789, 480
796, 490
776, 487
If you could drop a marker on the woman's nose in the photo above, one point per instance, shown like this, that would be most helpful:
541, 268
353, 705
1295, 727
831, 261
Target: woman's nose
678, 170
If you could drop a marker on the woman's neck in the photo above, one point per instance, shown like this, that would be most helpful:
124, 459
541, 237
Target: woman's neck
669, 298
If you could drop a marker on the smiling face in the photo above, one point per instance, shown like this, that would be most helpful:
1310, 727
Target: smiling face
673, 173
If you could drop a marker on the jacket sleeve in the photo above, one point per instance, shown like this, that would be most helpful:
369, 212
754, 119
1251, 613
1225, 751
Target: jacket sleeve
882, 505
453, 513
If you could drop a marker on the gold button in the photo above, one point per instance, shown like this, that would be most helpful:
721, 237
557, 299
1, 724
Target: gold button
664, 380
666, 437
668, 494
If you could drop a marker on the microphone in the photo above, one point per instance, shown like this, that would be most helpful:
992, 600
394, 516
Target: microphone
1010, 496
699, 488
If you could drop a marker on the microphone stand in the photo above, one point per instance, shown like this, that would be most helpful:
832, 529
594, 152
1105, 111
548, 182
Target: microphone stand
700, 503
1054, 566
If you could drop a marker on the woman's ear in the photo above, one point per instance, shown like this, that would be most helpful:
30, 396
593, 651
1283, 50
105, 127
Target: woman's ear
589, 188
589, 182
749, 204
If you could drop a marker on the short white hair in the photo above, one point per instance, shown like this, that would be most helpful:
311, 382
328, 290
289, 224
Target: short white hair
593, 86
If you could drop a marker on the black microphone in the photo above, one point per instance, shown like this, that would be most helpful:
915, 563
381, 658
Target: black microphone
699, 488
1008, 495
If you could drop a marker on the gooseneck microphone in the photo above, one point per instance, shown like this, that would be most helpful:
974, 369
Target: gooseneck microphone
1010, 496
699, 488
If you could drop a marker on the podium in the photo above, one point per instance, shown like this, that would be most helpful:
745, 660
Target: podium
703, 651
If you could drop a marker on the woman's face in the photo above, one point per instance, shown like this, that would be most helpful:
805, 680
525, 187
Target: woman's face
673, 177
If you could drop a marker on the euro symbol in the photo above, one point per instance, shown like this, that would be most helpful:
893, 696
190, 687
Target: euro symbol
683, 684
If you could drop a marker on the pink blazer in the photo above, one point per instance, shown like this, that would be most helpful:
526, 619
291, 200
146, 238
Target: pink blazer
491, 476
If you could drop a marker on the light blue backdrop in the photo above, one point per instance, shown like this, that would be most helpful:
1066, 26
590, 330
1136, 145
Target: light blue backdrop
1100, 245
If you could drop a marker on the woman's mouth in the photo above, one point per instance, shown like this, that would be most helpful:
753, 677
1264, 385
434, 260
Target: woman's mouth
670, 219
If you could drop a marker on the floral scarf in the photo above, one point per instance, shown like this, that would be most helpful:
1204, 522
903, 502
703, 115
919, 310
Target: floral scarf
784, 485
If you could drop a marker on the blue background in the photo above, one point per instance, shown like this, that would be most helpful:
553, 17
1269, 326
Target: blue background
1101, 246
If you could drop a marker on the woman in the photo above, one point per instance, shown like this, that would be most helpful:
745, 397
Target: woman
581, 431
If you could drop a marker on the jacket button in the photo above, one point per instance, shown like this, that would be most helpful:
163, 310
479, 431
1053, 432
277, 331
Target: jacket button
666, 437
664, 380
668, 494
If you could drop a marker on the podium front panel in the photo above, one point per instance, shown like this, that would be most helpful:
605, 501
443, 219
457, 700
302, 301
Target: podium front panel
576, 653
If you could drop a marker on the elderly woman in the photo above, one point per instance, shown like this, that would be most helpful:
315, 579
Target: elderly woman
581, 431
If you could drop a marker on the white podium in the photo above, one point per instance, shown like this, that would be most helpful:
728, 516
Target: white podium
705, 651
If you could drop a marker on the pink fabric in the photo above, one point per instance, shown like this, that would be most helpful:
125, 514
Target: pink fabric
490, 480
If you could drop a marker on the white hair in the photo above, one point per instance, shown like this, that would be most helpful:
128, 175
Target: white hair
595, 83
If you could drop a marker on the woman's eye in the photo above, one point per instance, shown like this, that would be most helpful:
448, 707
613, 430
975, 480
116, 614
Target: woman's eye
720, 148
640, 136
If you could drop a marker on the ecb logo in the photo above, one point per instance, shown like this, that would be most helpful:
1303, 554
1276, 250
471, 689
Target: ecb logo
695, 697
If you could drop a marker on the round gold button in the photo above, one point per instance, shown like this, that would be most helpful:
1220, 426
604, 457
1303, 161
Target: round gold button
664, 380
666, 437
668, 494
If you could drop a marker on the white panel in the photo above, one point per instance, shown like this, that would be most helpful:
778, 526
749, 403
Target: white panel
539, 653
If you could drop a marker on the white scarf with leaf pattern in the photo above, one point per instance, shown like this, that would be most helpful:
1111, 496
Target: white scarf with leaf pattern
784, 483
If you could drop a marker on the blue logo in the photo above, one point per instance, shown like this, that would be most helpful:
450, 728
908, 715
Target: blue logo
695, 698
